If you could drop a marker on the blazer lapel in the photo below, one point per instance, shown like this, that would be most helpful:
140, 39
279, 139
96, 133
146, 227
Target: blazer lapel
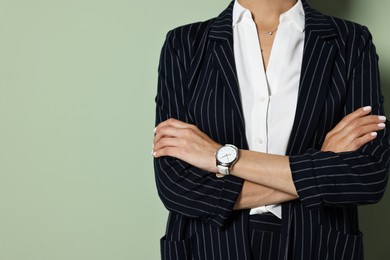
318, 57
221, 38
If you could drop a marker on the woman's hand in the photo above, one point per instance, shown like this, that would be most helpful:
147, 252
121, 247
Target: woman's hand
186, 142
353, 131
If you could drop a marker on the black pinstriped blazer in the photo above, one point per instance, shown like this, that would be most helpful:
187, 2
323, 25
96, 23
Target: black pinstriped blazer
198, 84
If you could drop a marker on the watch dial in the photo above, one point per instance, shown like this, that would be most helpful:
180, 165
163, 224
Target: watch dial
227, 154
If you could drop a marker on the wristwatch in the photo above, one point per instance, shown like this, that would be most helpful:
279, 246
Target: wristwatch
225, 157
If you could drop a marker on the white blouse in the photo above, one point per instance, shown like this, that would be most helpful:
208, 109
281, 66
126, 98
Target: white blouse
269, 98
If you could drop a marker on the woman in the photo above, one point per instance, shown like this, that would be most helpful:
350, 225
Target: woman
264, 142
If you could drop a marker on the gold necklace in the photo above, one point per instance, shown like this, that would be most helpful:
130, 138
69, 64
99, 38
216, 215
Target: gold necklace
270, 33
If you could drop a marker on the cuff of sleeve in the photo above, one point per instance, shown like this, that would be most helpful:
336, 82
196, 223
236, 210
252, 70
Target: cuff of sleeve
305, 179
223, 210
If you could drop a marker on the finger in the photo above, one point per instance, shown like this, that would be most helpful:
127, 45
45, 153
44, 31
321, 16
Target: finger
372, 119
361, 126
163, 132
172, 122
174, 147
363, 130
167, 151
359, 142
348, 118
169, 142
169, 131
344, 138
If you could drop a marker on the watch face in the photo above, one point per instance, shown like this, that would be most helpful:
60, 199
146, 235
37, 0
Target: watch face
227, 154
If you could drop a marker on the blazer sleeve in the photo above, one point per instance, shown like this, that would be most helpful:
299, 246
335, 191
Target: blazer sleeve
183, 188
349, 178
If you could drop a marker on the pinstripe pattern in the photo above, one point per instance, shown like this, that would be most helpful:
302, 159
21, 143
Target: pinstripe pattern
198, 84
265, 236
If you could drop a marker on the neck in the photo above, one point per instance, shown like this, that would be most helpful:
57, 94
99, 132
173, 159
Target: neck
267, 12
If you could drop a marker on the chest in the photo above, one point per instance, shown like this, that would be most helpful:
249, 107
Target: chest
214, 100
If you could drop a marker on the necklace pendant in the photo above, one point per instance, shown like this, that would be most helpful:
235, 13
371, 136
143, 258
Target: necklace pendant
270, 33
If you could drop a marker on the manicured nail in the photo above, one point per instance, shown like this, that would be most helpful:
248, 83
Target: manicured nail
367, 108
152, 152
154, 130
381, 125
374, 134
382, 118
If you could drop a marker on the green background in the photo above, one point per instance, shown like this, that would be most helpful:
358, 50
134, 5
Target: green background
77, 87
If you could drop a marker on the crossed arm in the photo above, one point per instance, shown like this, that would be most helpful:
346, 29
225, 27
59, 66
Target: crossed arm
268, 178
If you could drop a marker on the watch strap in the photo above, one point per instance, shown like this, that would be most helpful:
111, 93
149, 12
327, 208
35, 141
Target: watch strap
223, 171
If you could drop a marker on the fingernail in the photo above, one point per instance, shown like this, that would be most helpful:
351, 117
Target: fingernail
367, 108
152, 152
382, 125
382, 118
374, 134
154, 130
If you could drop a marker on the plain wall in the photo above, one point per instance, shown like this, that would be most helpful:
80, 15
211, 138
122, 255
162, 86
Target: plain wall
77, 86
